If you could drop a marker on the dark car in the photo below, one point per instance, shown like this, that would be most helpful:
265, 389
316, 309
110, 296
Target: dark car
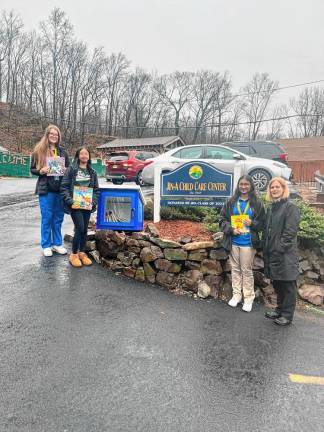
127, 165
261, 149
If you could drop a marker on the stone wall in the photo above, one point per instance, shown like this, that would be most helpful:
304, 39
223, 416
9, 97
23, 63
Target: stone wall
200, 267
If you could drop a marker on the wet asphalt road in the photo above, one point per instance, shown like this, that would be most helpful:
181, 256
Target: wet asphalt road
88, 350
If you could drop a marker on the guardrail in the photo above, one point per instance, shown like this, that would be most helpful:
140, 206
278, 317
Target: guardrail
319, 181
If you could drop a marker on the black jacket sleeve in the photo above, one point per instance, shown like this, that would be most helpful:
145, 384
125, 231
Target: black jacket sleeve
291, 227
95, 190
225, 220
66, 186
67, 159
258, 220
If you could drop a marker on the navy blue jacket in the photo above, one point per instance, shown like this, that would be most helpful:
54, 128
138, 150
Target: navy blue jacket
68, 183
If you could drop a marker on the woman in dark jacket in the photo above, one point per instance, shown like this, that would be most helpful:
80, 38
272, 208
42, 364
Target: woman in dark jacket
241, 219
280, 250
48, 190
79, 190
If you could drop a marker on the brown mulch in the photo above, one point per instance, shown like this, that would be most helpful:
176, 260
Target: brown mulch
173, 229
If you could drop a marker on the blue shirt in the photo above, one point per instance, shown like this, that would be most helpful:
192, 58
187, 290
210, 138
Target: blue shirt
242, 240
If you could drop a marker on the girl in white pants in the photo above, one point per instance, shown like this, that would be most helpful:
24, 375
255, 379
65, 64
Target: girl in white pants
242, 217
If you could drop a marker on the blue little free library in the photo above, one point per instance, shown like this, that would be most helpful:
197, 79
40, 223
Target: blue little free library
121, 208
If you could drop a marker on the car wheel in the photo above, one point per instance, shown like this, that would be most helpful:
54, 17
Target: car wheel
139, 179
260, 179
118, 182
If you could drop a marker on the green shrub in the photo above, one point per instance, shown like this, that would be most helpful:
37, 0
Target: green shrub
148, 210
196, 214
311, 224
211, 220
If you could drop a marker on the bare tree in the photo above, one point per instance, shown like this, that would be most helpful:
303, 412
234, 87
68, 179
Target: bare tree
57, 32
11, 30
275, 128
139, 102
309, 106
116, 66
175, 90
3, 51
258, 94
204, 90
223, 102
230, 126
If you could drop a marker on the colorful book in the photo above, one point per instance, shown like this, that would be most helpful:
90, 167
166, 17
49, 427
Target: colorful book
82, 198
237, 222
56, 166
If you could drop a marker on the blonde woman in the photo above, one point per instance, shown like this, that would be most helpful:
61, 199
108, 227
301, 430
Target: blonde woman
48, 190
280, 250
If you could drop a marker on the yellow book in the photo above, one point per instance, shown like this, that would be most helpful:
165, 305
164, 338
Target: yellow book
237, 222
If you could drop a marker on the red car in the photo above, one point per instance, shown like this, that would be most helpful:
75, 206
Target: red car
127, 165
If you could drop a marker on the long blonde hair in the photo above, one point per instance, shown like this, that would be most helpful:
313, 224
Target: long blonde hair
284, 186
42, 148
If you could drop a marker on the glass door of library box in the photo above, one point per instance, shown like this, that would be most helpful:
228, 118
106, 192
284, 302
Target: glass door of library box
117, 209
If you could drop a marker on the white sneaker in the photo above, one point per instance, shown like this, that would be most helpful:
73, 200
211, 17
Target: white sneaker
59, 249
234, 301
47, 252
247, 307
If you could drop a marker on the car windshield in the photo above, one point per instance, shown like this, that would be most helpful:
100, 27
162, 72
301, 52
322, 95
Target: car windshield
117, 157
218, 153
189, 153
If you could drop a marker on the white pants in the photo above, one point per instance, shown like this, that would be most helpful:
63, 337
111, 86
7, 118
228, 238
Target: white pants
241, 260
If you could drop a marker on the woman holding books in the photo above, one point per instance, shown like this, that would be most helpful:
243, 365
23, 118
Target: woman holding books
79, 190
49, 162
280, 251
241, 220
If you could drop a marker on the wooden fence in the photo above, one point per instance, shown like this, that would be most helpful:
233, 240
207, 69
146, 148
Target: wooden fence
304, 171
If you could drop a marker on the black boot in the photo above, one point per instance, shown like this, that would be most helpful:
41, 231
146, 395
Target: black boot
282, 321
272, 314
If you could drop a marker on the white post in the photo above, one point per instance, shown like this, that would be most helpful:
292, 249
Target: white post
237, 175
157, 194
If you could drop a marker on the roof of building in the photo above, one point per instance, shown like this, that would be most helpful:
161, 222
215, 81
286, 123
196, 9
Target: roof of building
304, 149
141, 142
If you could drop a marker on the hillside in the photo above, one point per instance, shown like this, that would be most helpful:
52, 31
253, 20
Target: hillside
20, 130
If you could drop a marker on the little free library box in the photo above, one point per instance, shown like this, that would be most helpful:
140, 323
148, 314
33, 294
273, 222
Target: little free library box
121, 208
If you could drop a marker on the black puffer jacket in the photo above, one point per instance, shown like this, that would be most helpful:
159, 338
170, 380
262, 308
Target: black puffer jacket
257, 225
46, 183
280, 251
67, 186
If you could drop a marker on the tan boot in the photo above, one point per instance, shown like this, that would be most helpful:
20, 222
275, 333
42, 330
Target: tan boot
85, 259
74, 260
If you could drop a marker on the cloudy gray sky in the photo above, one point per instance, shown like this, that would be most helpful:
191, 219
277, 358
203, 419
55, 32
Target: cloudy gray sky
281, 37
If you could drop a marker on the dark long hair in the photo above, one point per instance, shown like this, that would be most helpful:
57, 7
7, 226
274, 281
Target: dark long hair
76, 159
252, 195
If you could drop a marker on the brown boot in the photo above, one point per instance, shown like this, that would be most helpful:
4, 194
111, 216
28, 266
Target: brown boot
74, 260
85, 259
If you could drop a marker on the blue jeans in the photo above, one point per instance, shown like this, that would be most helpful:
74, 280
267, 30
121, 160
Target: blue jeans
51, 207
